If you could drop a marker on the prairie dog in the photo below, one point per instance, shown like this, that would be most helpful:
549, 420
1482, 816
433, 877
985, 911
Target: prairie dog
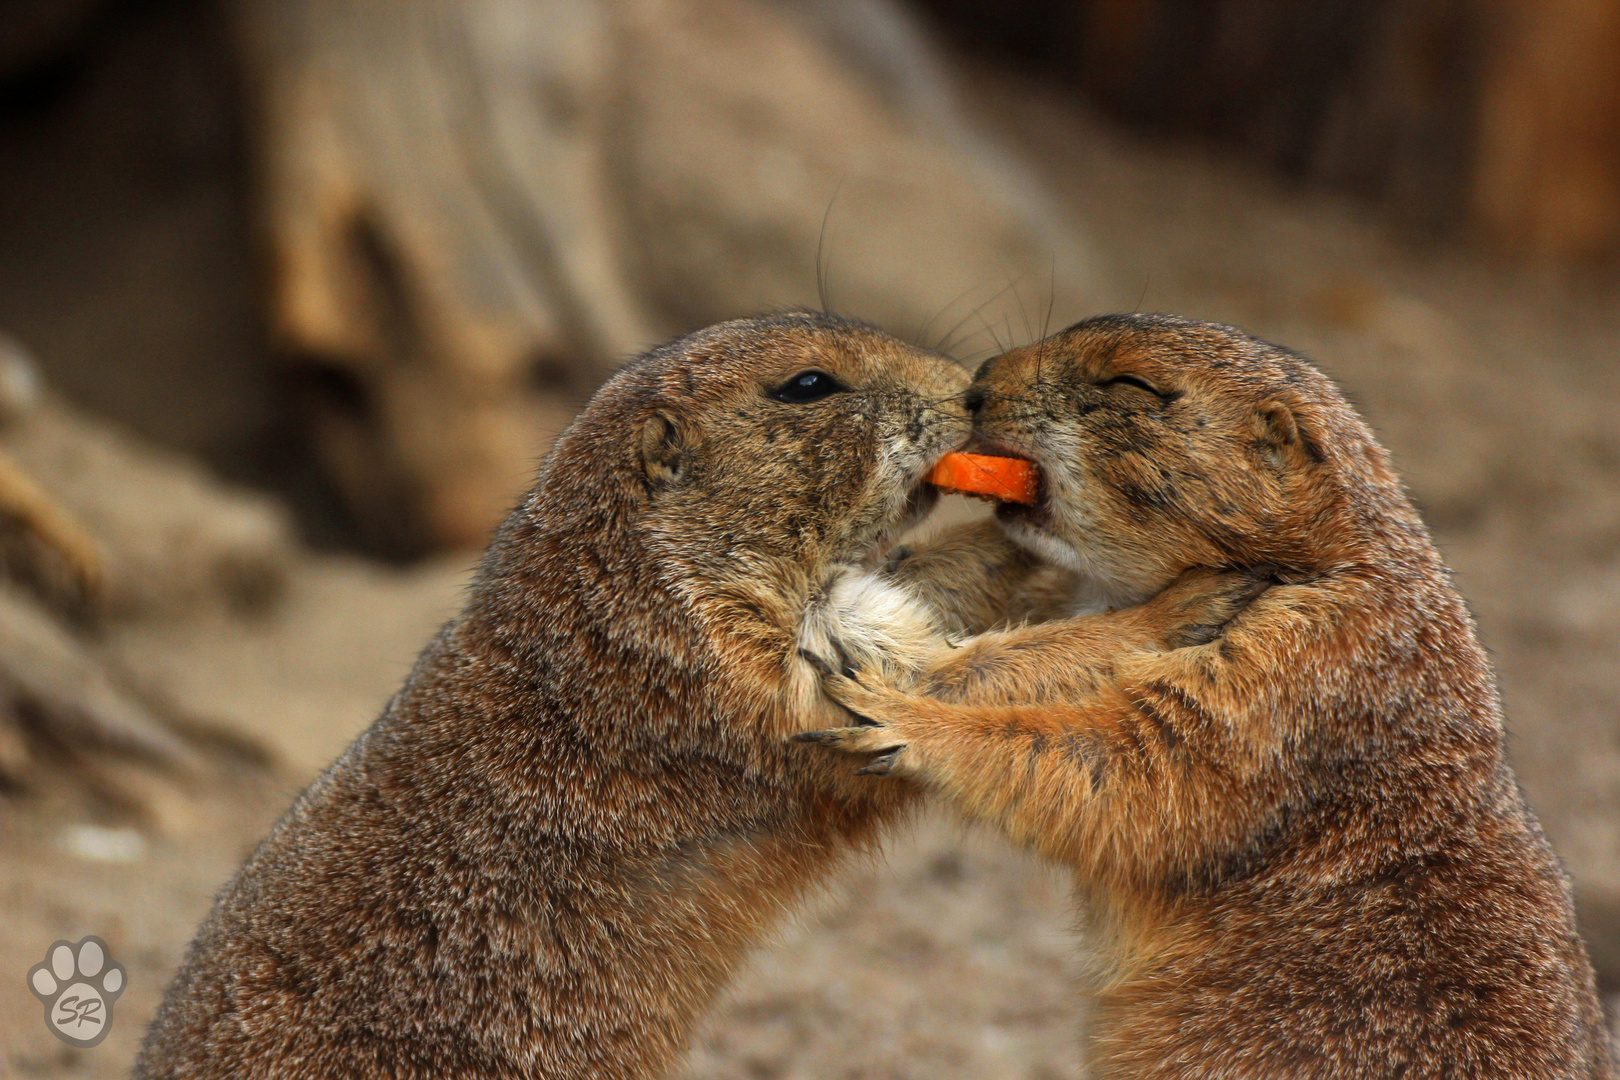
579, 813
1300, 843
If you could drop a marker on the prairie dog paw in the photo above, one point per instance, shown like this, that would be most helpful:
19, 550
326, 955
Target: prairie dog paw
877, 626
871, 734
887, 759
867, 735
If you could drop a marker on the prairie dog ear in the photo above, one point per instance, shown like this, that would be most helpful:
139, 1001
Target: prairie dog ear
1277, 431
663, 449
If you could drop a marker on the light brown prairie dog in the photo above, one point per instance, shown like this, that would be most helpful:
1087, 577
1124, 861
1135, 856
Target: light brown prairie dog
1300, 842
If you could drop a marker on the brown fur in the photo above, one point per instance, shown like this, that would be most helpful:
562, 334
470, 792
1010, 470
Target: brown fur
578, 815
1300, 843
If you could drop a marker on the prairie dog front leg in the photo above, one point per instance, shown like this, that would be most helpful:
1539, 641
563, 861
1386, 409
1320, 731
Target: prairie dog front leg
1023, 728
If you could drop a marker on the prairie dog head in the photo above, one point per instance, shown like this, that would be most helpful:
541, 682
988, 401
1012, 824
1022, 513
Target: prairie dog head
1165, 443
742, 464
804, 437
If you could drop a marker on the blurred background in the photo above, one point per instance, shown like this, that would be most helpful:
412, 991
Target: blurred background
295, 293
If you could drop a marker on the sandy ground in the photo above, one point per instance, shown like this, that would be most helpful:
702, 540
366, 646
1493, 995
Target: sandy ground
952, 956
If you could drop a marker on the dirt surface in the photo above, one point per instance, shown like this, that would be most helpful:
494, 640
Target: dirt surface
952, 956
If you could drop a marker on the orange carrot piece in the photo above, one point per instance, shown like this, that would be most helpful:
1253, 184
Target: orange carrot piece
1003, 478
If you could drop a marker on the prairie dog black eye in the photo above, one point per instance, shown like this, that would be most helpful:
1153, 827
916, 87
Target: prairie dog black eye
807, 386
1132, 380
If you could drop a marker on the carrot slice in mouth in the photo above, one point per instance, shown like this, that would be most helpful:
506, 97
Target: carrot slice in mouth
1003, 478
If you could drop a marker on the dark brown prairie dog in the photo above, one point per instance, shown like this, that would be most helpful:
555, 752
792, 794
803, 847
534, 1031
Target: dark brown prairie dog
579, 813
1303, 851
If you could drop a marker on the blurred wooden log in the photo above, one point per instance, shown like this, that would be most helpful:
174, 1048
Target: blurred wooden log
53, 687
161, 537
41, 544
758, 138
1500, 115
1374, 95
1548, 177
476, 209
95, 528
434, 198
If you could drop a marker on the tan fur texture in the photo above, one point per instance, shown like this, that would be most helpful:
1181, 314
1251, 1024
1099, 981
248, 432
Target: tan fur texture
1299, 843
578, 815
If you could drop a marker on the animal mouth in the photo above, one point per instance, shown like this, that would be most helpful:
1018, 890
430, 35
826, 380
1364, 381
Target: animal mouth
1034, 514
